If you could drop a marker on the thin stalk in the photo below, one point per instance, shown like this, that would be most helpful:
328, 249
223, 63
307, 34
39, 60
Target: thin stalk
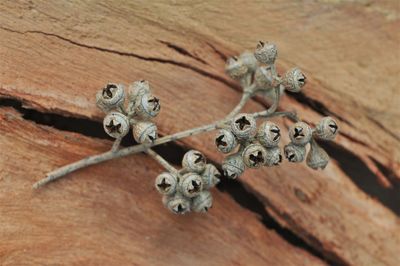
162, 161
116, 144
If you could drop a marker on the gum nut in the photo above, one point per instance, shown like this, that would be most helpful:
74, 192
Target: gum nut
317, 158
266, 52
111, 96
263, 78
274, 156
166, 183
249, 60
269, 134
177, 203
327, 128
116, 125
194, 161
225, 141
233, 166
190, 185
211, 176
243, 126
203, 202
295, 153
254, 155
138, 88
300, 133
235, 68
294, 80
147, 106
144, 132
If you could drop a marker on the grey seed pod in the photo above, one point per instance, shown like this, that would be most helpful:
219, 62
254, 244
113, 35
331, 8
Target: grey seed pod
203, 202
274, 156
295, 153
190, 185
166, 183
243, 126
144, 132
254, 155
225, 141
317, 157
327, 128
194, 161
177, 203
294, 80
249, 60
233, 165
116, 125
138, 88
263, 78
210, 176
235, 68
300, 133
269, 134
110, 97
266, 52
147, 106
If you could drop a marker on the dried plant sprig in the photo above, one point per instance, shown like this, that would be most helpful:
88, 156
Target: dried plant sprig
247, 147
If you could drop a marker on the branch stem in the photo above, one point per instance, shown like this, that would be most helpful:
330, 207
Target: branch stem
117, 153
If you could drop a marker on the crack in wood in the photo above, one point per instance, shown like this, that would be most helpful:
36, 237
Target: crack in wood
130, 54
182, 51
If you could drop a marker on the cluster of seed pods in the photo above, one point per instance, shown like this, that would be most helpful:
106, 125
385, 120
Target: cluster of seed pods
188, 189
251, 147
302, 134
140, 108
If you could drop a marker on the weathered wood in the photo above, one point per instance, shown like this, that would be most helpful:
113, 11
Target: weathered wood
55, 56
111, 214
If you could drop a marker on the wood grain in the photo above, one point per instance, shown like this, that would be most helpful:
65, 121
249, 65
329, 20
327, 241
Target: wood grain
55, 57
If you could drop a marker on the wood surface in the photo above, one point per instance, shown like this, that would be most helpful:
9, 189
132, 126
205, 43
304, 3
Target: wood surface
56, 55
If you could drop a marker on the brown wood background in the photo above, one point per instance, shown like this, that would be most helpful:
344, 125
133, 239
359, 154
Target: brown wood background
54, 56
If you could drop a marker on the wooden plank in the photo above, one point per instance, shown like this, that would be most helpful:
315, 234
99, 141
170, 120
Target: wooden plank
58, 66
111, 214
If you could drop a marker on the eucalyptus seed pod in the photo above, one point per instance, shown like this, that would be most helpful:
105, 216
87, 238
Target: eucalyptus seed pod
327, 128
202, 202
249, 60
116, 125
210, 176
235, 68
274, 157
244, 126
190, 185
147, 106
225, 141
300, 133
263, 78
110, 97
177, 203
269, 134
137, 89
194, 161
254, 155
294, 80
144, 132
166, 183
266, 52
317, 157
233, 165
295, 153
